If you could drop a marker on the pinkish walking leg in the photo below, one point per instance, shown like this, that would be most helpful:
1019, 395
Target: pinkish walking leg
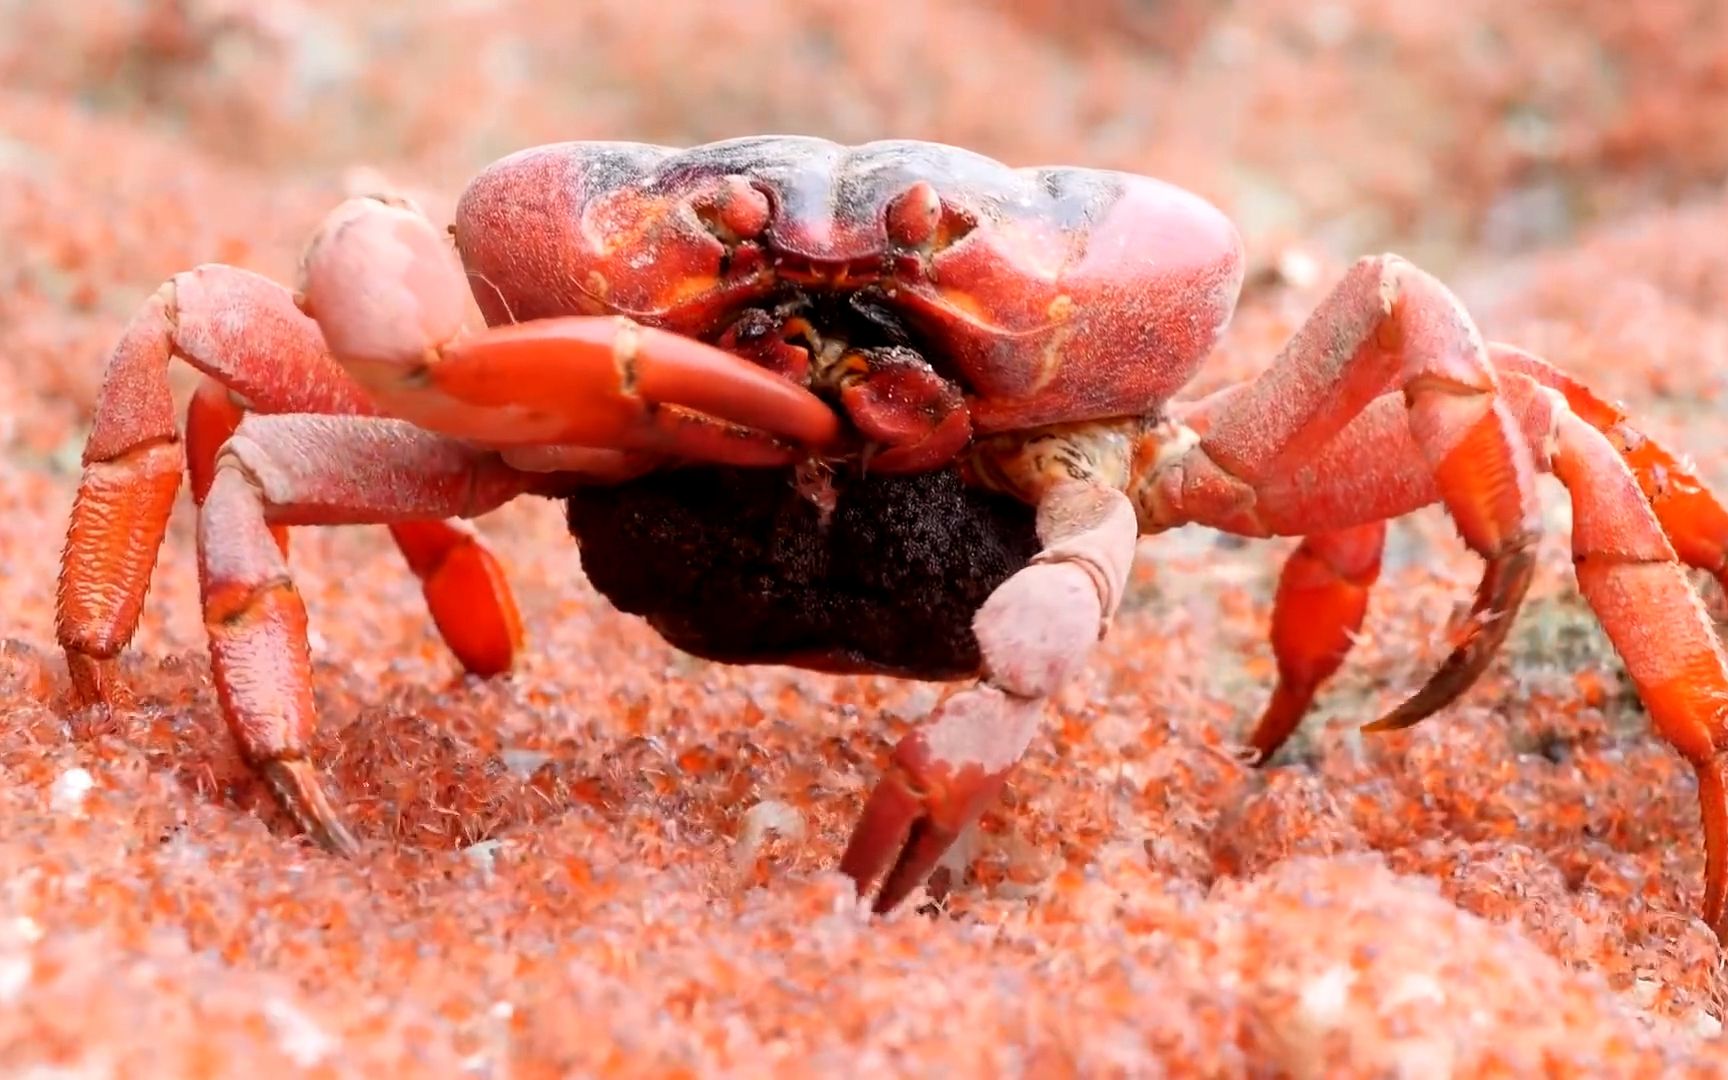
310, 470
1035, 632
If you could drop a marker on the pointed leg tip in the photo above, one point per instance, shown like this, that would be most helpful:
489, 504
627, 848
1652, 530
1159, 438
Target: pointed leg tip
96, 681
1397, 720
1283, 715
1715, 911
923, 849
1254, 757
881, 834
908, 824
1457, 675
1498, 600
297, 788
1713, 813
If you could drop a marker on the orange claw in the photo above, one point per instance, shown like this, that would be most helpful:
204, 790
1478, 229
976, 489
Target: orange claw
1034, 632
595, 381
389, 295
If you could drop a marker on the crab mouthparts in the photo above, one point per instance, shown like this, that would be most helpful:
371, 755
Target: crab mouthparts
829, 274
905, 416
852, 348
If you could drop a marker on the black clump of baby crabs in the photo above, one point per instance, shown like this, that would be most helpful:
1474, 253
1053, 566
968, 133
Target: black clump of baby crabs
742, 566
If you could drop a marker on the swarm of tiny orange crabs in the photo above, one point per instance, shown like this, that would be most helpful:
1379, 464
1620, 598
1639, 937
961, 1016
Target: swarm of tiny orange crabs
895, 408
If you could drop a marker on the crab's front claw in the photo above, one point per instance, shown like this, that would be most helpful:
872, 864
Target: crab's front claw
389, 296
608, 382
919, 808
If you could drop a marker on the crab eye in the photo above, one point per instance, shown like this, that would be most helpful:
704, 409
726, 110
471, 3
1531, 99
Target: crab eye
734, 211
918, 218
914, 215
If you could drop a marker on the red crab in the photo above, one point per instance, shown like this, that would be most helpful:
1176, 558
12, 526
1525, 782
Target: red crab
894, 408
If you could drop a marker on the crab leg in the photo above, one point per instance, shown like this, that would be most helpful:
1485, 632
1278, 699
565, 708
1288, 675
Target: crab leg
313, 470
1035, 631
1388, 326
1627, 568
459, 578
1694, 521
1321, 601
245, 334
390, 296
211, 417
464, 586
1385, 478
1629, 574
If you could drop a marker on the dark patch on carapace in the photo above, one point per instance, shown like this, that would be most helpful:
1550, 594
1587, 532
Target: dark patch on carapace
737, 566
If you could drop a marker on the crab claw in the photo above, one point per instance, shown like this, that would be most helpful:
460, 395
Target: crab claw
604, 382
389, 296
1035, 632
913, 817
938, 781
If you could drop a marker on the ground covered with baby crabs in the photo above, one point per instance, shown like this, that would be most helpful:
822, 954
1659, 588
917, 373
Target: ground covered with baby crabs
621, 860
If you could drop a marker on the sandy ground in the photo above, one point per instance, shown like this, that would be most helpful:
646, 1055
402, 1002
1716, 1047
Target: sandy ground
619, 861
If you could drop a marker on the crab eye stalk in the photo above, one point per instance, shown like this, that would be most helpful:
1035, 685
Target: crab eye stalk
914, 215
734, 211
918, 220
